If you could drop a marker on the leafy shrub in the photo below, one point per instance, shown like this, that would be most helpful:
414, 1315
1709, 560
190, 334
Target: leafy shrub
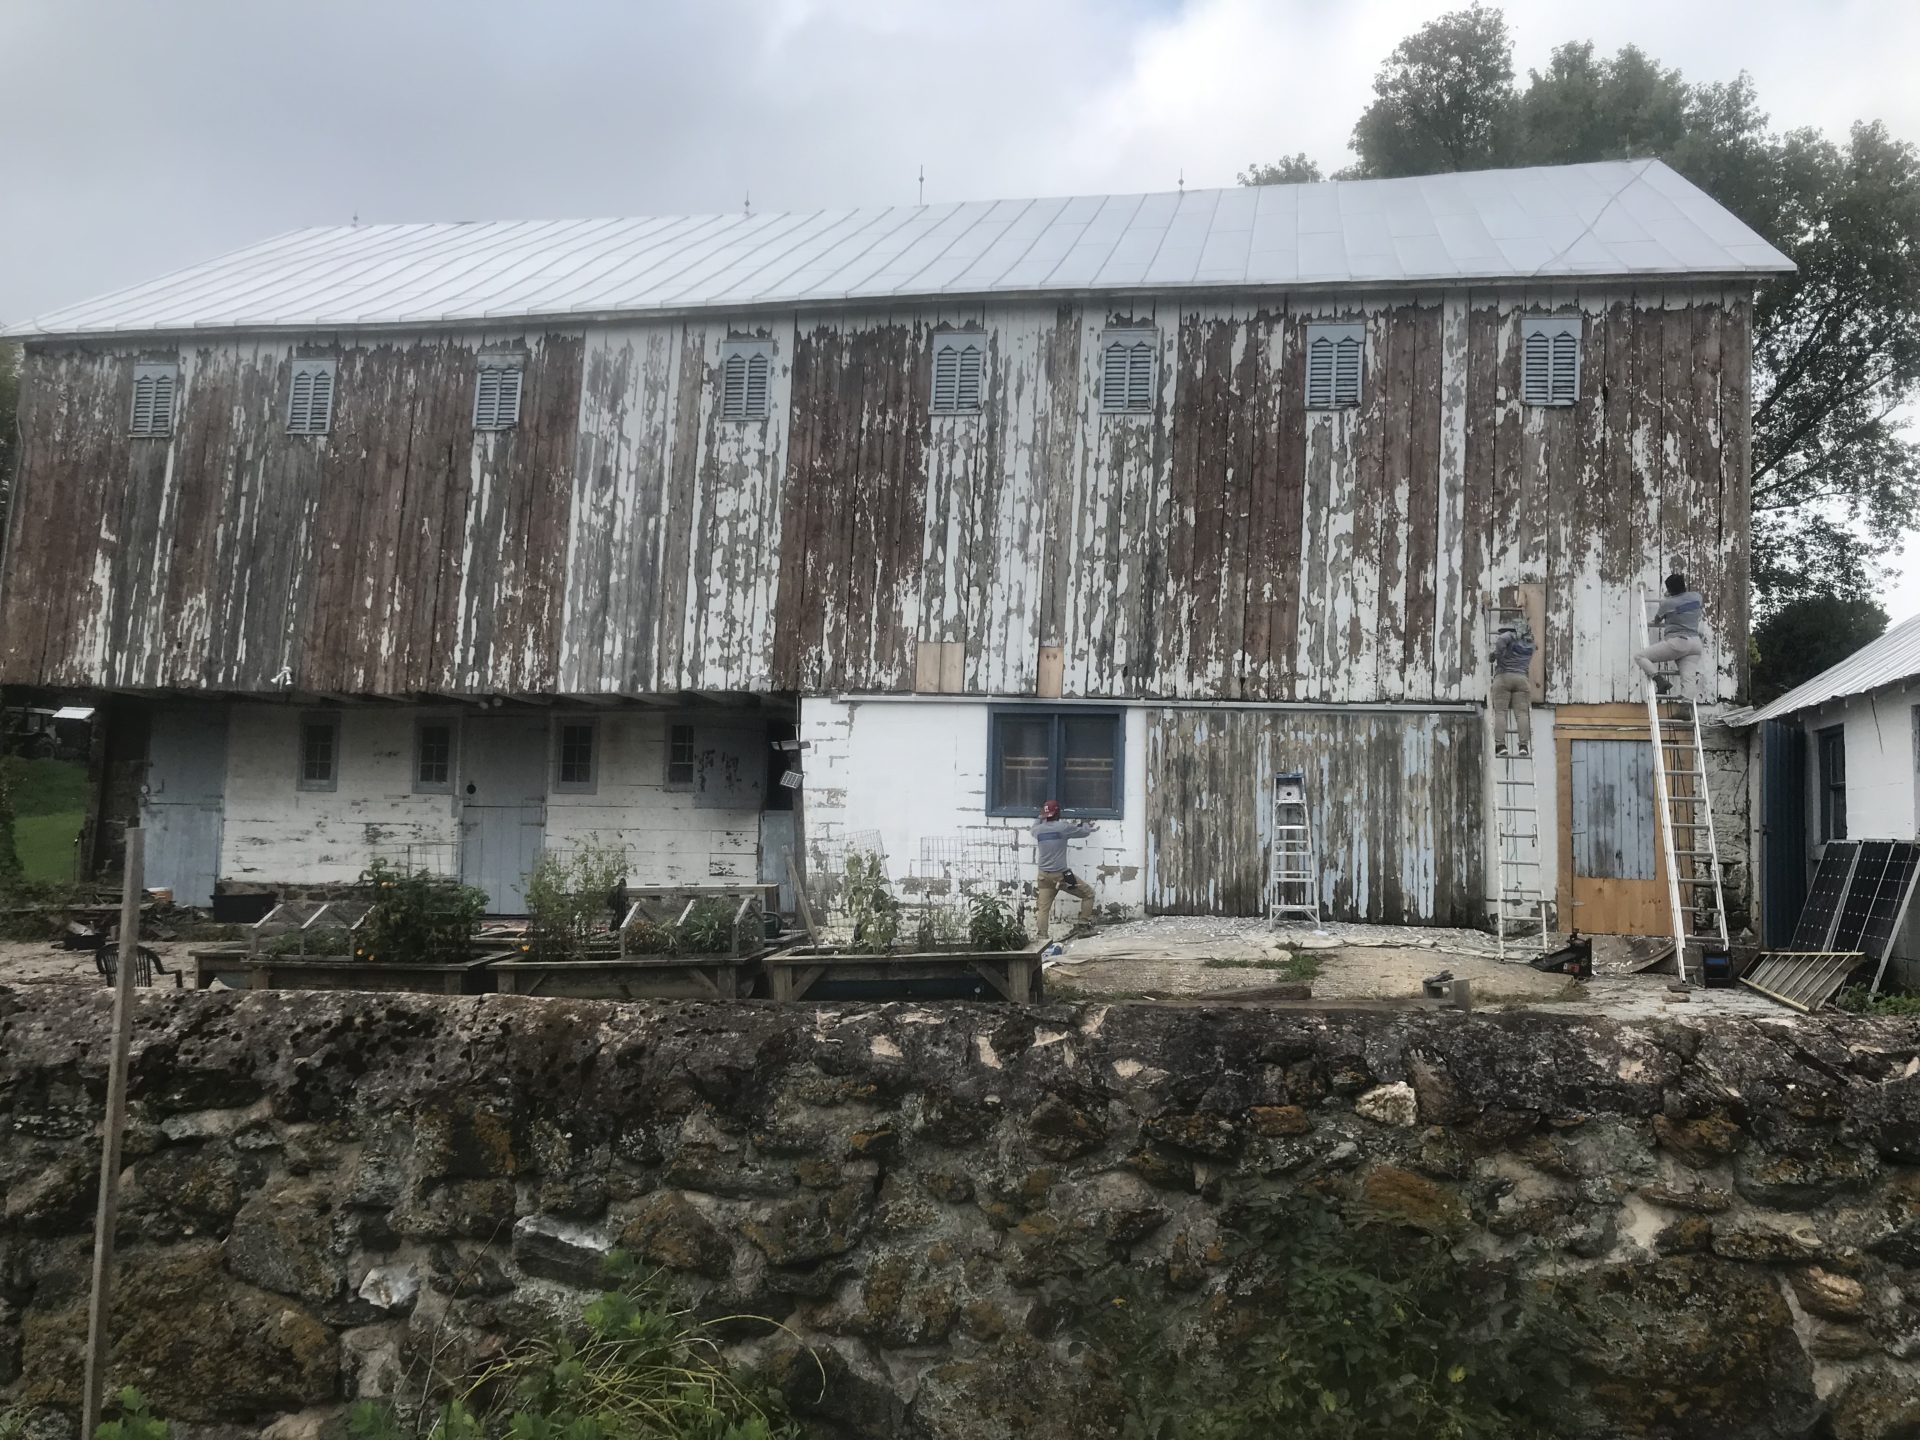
568, 898
649, 937
870, 903
1347, 1329
634, 1367
992, 925
327, 940
1857, 999
708, 928
417, 918
136, 1421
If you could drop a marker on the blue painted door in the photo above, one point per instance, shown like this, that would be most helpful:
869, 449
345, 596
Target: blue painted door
503, 806
183, 799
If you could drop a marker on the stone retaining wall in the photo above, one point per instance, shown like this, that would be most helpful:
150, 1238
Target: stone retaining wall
323, 1189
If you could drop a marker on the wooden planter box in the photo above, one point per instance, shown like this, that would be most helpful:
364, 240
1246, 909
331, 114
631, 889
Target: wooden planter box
632, 977
341, 972
822, 972
227, 965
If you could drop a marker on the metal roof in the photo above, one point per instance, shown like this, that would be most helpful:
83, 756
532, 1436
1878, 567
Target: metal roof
1612, 219
1895, 656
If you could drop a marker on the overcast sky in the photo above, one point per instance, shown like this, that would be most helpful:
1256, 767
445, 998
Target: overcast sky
139, 136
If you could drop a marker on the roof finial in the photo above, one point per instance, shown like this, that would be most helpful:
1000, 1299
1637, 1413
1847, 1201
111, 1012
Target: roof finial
923, 186
1182, 181
355, 222
747, 204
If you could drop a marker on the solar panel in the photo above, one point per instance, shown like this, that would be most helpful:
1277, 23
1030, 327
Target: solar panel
1824, 896
1857, 909
1890, 900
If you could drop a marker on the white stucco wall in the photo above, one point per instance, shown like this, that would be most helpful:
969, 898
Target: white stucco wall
917, 769
278, 834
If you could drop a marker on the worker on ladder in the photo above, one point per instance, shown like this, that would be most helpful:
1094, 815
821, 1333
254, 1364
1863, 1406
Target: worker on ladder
1512, 690
1678, 616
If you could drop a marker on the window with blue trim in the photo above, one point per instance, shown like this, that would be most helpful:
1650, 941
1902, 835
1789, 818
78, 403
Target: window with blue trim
1072, 755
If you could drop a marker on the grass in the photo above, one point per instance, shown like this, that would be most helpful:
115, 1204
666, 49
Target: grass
49, 804
1295, 965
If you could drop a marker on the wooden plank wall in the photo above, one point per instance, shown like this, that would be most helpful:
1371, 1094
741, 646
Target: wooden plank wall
1228, 545
1397, 800
403, 552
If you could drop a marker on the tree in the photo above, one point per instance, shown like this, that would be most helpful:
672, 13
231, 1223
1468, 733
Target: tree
1799, 639
1836, 345
1287, 170
1443, 101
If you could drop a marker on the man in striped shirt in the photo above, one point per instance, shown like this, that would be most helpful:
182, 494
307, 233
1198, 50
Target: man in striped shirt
1678, 617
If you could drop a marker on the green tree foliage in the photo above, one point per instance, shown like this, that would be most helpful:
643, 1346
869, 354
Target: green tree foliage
1443, 101
1799, 639
1287, 170
1836, 346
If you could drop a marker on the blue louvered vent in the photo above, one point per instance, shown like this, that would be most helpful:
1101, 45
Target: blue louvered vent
496, 393
959, 373
1550, 360
1336, 356
1128, 371
154, 386
746, 379
310, 398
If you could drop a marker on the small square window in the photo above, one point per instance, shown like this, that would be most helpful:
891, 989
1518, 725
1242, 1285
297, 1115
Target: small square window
573, 768
319, 752
959, 372
1336, 356
1070, 755
433, 757
1550, 360
746, 379
680, 750
496, 393
310, 397
1129, 364
154, 385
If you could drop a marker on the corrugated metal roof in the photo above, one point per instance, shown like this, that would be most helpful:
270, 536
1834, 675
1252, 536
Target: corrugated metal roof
1619, 218
1894, 656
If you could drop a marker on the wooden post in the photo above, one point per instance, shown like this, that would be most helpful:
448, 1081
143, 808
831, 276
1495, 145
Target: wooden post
108, 1213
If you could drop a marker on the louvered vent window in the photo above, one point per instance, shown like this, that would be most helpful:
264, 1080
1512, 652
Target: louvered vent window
496, 393
310, 398
746, 379
1127, 361
959, 373
1334, 362
1550, 360
154, 384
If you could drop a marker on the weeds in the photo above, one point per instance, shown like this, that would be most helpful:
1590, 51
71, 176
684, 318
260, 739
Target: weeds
568, 897
1856, 999
1295, 965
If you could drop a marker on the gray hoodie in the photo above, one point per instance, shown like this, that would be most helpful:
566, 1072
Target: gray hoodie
1050, 841
1679, 615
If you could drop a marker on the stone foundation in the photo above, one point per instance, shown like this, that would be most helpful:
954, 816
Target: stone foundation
324, 1190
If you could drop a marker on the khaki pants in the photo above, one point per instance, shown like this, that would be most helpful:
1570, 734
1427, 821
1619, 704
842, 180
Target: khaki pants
1051, 883
1683, 648
1512, 709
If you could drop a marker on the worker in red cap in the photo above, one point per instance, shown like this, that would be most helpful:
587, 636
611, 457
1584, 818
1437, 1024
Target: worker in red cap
1050, 836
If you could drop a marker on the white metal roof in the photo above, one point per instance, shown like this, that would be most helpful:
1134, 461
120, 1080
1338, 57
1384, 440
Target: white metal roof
1618, 218
1895, 656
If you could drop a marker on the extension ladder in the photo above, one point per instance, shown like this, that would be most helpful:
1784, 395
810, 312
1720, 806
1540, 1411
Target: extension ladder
1293, 875
1695, 896
1520, 909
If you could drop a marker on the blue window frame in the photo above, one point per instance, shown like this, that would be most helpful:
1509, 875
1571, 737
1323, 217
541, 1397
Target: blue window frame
1073, 755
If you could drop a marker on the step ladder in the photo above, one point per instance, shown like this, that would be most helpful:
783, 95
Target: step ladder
1293, 871
1520, 907
1695, 895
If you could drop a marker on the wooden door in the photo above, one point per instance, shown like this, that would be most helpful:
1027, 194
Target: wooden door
503, 809
182, 803
1611, 869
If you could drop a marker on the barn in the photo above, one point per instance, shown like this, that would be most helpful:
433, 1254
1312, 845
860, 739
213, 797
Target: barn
720, 536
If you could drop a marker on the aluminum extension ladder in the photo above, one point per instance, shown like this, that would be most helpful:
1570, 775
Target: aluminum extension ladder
1520, 909
1293, 872
1695, 894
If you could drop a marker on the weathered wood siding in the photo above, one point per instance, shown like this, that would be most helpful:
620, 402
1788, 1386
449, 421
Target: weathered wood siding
1228, 545
402, 552
1397, 801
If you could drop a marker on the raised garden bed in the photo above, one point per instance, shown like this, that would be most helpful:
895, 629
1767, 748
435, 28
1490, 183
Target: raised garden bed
344, 972
633, 977
827, 972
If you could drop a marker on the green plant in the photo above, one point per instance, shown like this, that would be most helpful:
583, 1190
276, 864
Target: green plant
941, 927
327, 940
650, 937
870, 903
992, 925
708, 928
633, 1368
1294, 965
567, 897
1346, 1327
136, 1421
1855, 998
417, 917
